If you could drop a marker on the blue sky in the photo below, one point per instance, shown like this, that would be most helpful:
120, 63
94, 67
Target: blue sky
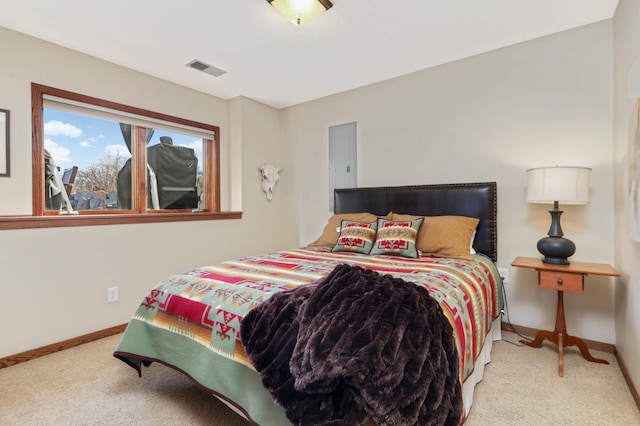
79, 140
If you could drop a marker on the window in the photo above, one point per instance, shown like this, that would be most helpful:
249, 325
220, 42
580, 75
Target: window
100, 162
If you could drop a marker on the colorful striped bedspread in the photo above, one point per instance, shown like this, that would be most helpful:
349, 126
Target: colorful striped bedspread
194, 316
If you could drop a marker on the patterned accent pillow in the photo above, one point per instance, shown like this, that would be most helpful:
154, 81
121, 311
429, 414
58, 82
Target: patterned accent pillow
356, 236
445, 236
331, 230
397, 238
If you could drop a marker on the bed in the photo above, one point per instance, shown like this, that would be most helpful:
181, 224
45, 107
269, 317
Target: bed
192, 321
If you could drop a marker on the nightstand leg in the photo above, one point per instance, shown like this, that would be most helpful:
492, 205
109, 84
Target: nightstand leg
560, 355
560, 337
537, 341
576, 341
561, 327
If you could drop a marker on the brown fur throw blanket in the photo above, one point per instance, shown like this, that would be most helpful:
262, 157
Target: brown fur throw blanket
356, 345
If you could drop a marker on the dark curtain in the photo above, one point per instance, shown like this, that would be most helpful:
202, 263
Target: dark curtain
126, 134
124, 175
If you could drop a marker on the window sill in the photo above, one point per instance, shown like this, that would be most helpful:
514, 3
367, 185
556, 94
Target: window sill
29, 222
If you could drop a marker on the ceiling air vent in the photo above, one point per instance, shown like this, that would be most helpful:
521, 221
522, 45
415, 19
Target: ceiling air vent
201, 66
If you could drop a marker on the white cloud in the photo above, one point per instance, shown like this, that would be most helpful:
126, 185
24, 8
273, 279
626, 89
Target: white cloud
117, 150
58, 128
85, 144
196, 145
59, 153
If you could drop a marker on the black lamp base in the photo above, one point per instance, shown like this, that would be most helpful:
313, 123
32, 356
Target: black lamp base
556, 250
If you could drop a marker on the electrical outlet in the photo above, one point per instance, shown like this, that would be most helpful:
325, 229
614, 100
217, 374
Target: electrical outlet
112, 294
504, 273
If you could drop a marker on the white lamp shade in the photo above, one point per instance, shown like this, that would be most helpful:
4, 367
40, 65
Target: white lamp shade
568, 185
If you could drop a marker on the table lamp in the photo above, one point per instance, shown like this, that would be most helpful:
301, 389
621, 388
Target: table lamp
559, 184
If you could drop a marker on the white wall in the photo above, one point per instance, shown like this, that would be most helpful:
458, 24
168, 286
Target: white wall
487, 118
627, 90
53, 282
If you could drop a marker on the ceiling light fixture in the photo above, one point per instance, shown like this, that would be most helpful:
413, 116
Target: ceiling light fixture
299, 11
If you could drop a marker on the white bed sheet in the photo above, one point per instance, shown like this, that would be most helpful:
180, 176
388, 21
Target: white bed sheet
468, 387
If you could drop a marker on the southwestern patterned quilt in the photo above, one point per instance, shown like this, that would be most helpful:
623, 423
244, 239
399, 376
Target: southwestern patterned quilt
191, 321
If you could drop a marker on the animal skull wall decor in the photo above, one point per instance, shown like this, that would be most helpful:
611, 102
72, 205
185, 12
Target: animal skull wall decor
270, 175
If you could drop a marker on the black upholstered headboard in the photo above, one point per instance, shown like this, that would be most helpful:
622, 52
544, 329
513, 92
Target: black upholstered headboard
459, 199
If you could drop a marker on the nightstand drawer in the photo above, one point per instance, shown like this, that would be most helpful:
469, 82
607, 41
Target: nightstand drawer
561, 281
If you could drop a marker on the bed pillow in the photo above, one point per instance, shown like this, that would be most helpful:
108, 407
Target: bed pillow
473, 238
331, 230
356, 236
397, 238
446, 236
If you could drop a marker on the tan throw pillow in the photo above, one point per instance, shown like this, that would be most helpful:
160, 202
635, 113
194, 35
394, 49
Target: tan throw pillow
447, 236
329, 236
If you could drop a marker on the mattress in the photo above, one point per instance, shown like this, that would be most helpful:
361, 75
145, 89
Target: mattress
191, 321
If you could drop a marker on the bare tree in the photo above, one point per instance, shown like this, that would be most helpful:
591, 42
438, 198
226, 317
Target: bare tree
101, 175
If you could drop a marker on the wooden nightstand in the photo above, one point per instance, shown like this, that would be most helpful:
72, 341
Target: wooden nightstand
563, 278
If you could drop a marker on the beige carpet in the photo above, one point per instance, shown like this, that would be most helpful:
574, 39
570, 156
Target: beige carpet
87, 386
